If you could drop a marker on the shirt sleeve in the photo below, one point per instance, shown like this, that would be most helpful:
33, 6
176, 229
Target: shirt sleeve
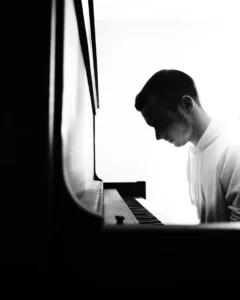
187, 169
230, 179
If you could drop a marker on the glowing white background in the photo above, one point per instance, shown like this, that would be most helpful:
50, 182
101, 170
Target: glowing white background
134, 40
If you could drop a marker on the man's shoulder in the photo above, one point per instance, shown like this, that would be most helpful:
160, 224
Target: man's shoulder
227, 146
230, 136
231, 151
230, 157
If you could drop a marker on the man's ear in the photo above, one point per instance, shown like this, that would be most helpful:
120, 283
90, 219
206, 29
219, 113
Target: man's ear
187, 103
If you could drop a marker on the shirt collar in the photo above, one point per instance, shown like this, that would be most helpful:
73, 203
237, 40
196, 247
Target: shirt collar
214, 129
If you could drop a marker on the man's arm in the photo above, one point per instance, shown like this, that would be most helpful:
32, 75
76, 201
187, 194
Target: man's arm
230, 179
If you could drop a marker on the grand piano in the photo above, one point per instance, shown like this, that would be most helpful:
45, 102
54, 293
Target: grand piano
59, 216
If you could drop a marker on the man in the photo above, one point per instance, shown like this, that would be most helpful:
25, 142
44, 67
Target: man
169, 102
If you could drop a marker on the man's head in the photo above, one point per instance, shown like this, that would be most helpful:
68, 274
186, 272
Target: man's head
167, 102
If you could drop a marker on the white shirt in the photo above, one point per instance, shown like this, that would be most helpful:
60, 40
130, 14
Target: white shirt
213, 172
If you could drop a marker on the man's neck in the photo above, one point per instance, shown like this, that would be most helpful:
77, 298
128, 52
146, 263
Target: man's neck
201, 122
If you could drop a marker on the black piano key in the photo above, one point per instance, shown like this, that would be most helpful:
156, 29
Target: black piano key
140, 212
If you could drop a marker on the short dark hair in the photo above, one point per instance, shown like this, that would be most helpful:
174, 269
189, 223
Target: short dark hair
167, 87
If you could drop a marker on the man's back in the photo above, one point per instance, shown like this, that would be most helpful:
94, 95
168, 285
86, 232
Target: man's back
214, 171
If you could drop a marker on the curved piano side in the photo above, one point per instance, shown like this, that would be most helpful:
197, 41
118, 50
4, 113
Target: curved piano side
77, 197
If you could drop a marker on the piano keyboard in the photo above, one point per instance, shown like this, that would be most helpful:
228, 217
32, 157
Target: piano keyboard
127, 209
142, 215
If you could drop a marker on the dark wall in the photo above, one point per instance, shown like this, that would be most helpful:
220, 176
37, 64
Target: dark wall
25, 37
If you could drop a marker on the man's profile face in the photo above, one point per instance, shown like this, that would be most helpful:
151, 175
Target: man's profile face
168, 125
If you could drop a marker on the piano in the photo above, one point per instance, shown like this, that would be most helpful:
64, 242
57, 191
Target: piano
58, 216
112, 203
